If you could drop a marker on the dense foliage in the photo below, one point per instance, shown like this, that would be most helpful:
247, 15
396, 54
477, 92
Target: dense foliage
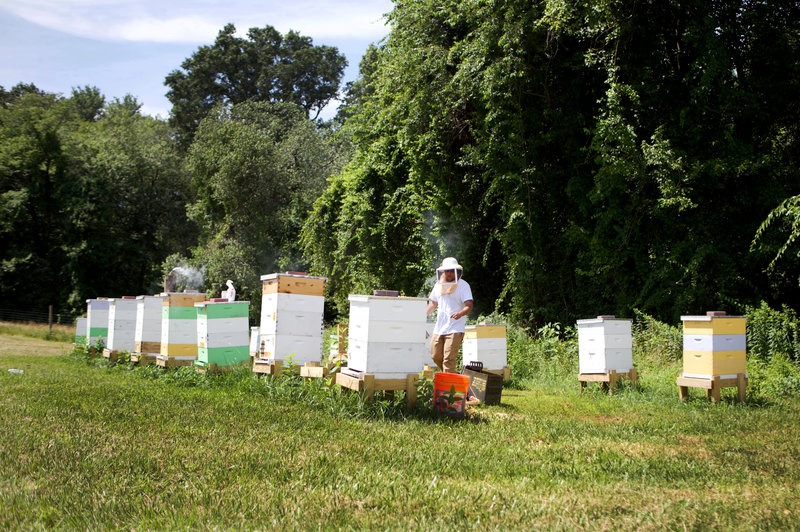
578, 157
91, 198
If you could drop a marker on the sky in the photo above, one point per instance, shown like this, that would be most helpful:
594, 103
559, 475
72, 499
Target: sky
129, 46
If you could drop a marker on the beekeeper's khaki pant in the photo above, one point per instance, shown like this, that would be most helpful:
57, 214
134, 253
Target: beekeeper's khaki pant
444, 350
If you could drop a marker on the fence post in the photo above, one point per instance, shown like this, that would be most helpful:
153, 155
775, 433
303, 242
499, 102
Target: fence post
50, 317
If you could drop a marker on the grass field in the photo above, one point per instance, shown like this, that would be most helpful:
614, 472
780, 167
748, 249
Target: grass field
88, 447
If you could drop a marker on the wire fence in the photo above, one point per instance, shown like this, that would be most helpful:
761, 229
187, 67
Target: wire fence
48, 315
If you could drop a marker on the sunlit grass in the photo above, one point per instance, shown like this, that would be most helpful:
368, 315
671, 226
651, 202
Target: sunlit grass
86, 446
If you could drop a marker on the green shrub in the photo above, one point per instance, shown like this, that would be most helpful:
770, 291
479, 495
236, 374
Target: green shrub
551, 354
655, 341
773, 333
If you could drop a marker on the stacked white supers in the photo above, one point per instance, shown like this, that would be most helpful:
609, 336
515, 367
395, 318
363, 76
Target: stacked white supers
485, 344
147, 338
386, 336
292, 310
179, 328
121, 323
605, 343
97, 321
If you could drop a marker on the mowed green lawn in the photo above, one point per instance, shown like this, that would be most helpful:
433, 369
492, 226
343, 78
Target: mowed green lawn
91, 447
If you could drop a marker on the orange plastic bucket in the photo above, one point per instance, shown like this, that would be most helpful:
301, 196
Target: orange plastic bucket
450, 393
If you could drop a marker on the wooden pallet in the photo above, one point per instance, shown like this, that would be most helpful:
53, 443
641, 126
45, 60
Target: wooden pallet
172, 362
712, 385
276, 367
608, 379
367, 384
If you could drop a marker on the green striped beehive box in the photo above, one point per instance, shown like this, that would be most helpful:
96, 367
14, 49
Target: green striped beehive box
223, 333
97, 321
179, 325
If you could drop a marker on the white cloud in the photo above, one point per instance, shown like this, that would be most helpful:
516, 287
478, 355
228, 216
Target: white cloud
193, 21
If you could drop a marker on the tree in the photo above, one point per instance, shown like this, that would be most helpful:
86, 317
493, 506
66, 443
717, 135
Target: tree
257, 168
264, 67
90, 203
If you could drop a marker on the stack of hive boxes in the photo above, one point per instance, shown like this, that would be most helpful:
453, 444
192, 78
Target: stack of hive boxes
179, 328
485, 344
386, 336
605, 343
147, 338
714, 345
97, 321
292, 310
80, 331
121, 324
222, 333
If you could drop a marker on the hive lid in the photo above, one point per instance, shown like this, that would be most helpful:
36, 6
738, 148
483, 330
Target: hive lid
602, 318
361, 298
301, 275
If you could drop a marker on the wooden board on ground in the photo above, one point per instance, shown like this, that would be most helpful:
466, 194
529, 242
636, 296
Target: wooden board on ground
712, 386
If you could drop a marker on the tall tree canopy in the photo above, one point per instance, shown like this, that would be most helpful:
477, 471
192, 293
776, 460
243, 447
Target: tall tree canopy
579, 157
257, 167
264, 67
92, 198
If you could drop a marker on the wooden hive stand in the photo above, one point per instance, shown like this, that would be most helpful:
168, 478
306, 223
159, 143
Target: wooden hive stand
608, 379
712, 385
367, 384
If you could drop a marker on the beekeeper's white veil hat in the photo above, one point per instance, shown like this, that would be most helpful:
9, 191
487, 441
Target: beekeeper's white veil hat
449, 263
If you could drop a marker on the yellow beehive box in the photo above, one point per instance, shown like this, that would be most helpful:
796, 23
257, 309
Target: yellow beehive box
182, 299
705, 339
714, 324
709, 363
484, 331
292, 283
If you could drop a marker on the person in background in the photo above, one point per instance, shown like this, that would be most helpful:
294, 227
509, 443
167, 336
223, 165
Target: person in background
230, 293
452, 296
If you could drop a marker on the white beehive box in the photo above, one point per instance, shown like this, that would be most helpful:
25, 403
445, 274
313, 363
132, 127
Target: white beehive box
147, 337
485, 344
386, 335
121, 323
80, 331
292, 312
605, 343
97, 321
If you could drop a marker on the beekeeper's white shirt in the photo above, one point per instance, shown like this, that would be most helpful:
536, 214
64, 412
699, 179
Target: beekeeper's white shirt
447, 305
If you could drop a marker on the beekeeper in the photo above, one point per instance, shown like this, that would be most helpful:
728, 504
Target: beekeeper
230, 293
452, 296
